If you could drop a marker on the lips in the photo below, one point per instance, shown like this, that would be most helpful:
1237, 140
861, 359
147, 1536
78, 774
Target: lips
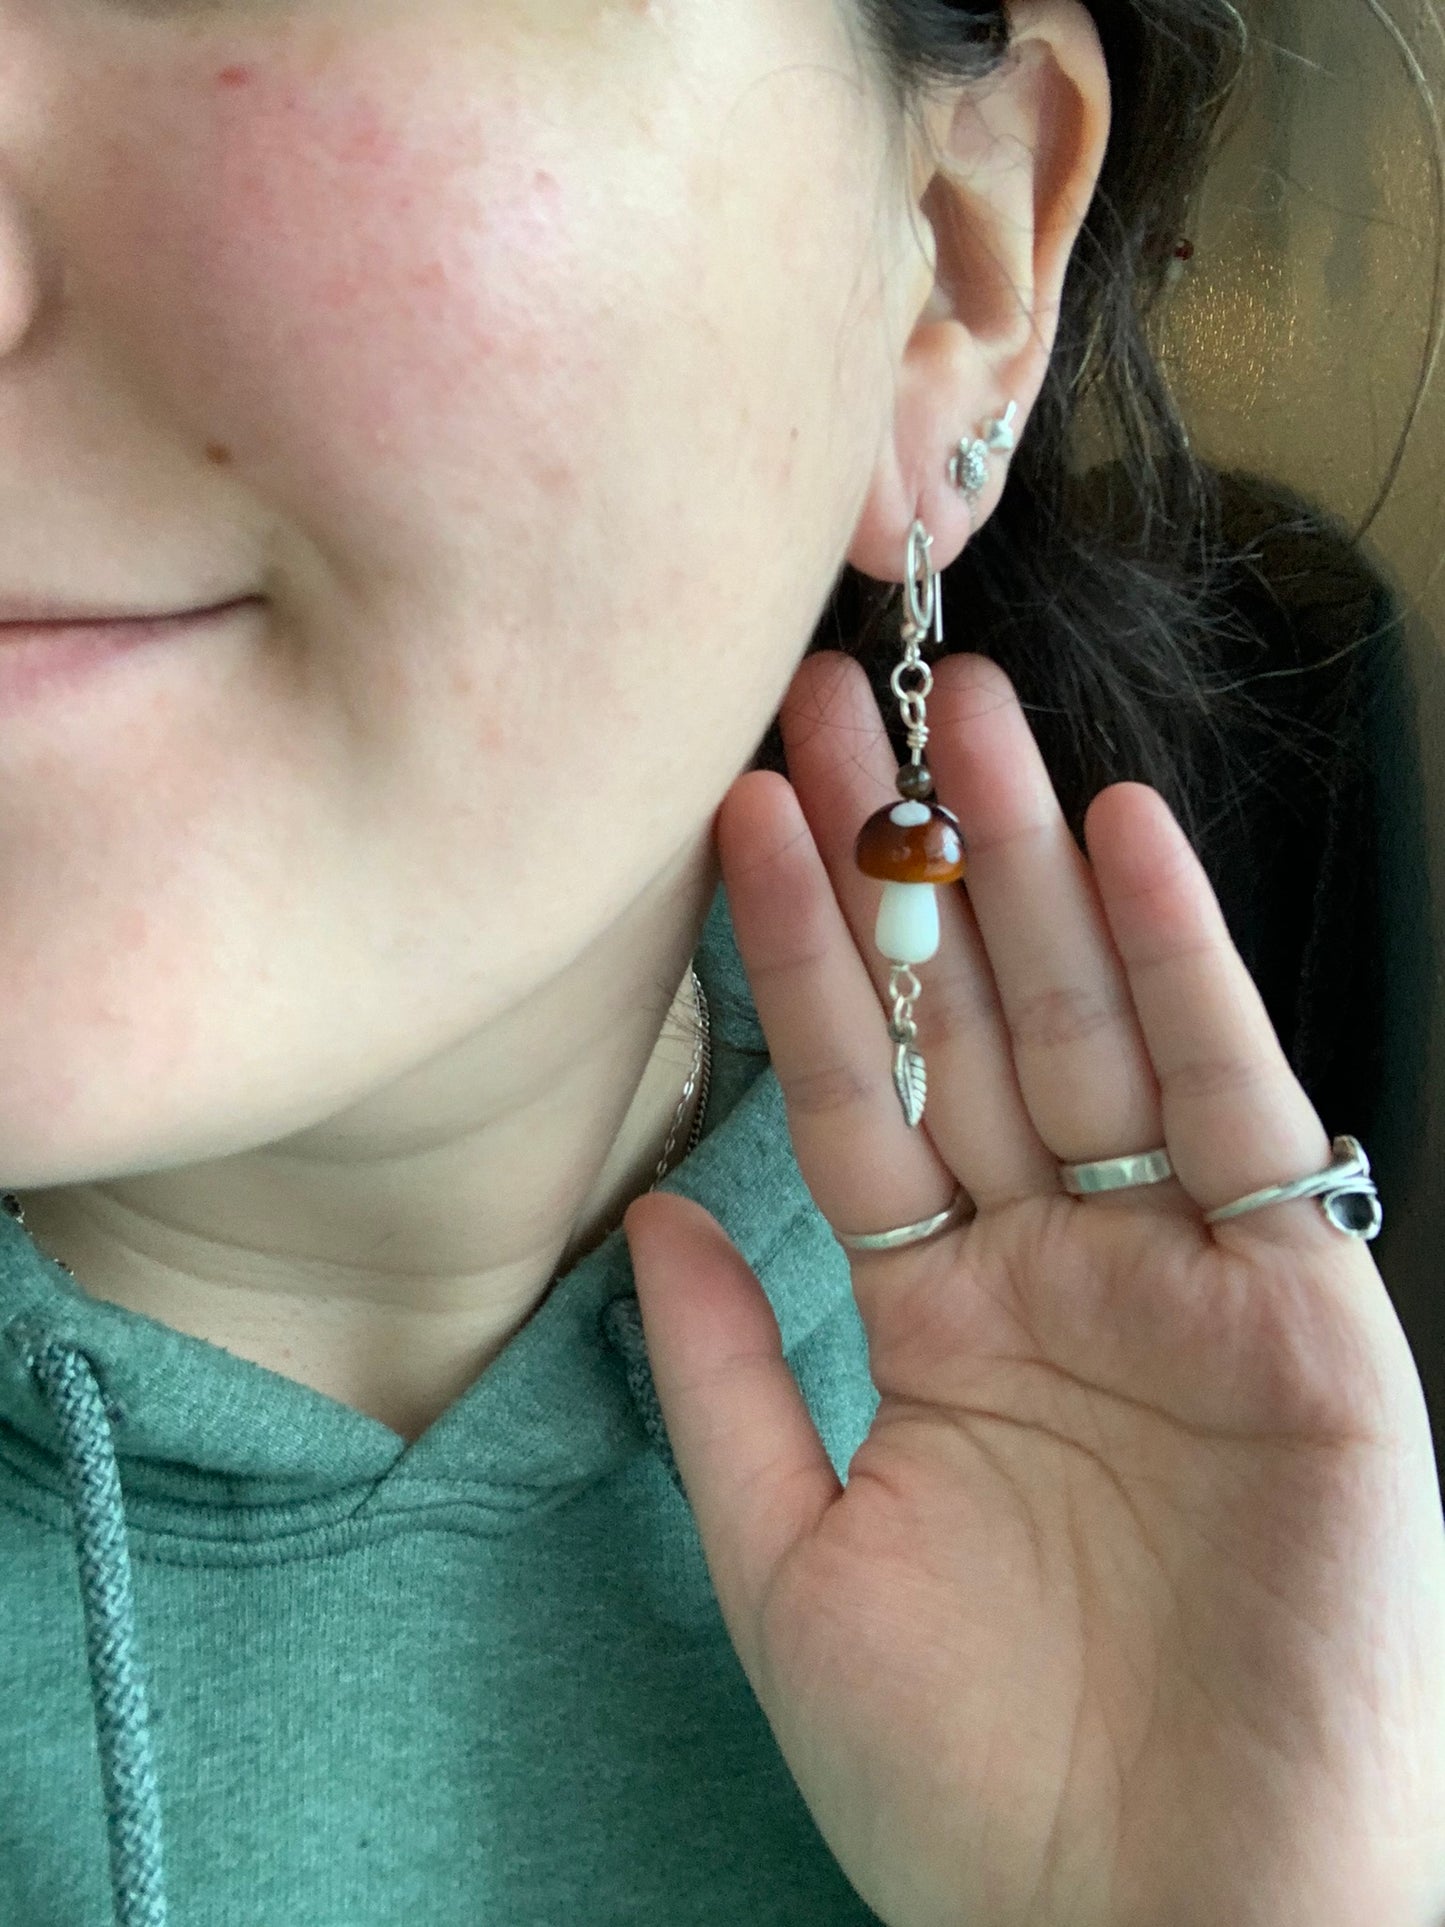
62, 657
36, 612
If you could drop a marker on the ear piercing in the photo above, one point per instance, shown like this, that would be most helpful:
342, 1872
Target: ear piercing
969, 466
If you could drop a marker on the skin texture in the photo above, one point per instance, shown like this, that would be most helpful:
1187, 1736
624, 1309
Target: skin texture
536, 367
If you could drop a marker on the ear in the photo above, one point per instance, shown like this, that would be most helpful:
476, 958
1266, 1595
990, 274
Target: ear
1015, 159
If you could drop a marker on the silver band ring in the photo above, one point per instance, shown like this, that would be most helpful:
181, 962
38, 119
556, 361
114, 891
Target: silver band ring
1116, 1174
959, 1212
1346, 1191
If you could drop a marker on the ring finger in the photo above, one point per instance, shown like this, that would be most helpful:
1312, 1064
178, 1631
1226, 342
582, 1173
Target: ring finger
1080, 1054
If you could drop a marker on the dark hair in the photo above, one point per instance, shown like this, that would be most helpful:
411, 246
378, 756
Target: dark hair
1098, 592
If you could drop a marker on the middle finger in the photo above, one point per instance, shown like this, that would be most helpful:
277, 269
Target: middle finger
1082, 1062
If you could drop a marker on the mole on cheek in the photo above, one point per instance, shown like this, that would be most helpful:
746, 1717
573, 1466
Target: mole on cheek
218, 453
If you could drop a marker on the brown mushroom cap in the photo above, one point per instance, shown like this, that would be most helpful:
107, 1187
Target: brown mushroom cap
931, 852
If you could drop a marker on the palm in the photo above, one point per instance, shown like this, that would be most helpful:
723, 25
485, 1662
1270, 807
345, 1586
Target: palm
1093, 1568
1124, 1614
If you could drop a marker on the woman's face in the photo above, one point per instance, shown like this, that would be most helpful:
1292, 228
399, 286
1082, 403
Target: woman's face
516, 356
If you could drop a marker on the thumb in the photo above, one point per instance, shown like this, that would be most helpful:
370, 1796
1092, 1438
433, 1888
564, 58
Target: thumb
757, 1475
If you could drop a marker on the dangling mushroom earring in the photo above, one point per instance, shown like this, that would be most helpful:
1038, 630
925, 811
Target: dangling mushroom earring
913, 846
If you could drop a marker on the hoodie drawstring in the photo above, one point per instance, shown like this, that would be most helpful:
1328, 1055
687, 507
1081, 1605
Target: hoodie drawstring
82, 1416
69, 1386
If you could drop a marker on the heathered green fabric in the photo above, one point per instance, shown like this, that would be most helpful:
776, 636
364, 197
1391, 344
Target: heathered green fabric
483, 1678
480, 1678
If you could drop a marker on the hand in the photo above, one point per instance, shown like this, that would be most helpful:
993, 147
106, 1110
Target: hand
1132, 1610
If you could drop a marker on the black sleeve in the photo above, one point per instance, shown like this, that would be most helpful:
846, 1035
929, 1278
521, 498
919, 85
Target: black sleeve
1294, 857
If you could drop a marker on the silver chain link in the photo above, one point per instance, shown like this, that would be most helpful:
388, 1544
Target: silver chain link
924, 606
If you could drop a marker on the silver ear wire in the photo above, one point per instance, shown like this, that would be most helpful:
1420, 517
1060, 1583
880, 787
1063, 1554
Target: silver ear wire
968, 468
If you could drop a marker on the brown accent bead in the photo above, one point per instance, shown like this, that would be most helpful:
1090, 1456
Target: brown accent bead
930, 852
915, 781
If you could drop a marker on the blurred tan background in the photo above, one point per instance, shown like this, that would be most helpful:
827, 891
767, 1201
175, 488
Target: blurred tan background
1297, 339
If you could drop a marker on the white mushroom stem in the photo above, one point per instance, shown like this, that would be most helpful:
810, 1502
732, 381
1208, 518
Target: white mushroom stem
907, 930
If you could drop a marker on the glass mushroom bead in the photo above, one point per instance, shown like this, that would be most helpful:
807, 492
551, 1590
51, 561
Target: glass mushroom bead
911, 846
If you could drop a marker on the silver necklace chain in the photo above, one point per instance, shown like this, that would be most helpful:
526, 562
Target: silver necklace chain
701, 1065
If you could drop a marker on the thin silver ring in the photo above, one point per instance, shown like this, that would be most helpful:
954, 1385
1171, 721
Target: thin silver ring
959, 1212
1348, 1176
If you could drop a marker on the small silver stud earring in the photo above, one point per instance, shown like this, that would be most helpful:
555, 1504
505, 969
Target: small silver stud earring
969, 467
1000, 434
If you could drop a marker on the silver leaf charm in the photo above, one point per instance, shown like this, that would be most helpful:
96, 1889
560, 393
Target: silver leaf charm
911, 1078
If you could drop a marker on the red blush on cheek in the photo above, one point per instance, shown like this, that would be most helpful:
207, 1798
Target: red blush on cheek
409, 260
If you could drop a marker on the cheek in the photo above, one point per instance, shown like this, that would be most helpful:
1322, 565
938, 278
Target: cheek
334, 279
459, 331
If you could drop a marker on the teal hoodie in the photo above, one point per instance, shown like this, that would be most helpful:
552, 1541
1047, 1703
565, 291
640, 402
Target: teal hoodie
264, 1664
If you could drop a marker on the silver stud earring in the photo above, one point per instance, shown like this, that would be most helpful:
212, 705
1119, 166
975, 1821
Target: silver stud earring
969, 467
